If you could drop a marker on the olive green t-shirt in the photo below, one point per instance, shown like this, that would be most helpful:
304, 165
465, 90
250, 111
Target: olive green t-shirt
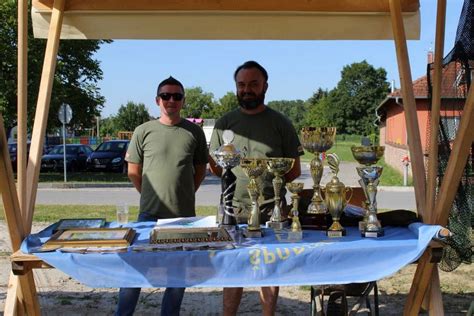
168, 155
263, 135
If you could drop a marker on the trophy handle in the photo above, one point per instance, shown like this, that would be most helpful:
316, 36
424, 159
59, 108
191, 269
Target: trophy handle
350, 196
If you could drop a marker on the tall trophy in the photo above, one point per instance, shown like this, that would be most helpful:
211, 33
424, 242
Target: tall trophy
278, 167
317, 140
336, 198
295, 188
227, 157
370, 174
253, 168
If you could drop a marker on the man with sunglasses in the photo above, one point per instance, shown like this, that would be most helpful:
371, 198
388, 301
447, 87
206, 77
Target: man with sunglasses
167, 161
259, 132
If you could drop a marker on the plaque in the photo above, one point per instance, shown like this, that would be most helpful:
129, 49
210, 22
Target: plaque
91, 237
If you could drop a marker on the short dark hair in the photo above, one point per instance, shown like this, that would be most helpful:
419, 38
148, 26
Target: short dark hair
169, 81
251, 64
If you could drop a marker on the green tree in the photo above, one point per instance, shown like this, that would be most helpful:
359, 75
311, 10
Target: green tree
293, 109
199, 104
351, 105
108, 127
316, 109
131, 115
75, 80
226, 104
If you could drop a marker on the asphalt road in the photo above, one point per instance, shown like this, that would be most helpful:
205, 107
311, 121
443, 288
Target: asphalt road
208, 193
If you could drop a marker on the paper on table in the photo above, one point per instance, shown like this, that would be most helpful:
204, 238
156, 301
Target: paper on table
187, 222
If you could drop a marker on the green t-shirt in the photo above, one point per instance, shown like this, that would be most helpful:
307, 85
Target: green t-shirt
168, 155
263, 135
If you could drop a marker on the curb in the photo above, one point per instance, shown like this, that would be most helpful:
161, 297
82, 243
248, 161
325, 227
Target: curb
73, 185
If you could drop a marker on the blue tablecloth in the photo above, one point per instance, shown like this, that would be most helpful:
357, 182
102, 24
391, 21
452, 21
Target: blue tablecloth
266, 261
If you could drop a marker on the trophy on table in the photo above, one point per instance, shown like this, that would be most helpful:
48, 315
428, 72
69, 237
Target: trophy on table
336, 198
278, 167
227, 157
253, 168
317, 140
295, 188
370, 174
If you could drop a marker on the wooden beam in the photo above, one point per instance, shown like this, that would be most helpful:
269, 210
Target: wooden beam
231, 5
435, 307
26, 293
42, 109
409, 106
419, 285
11, 300
435, 111
22, 72
456, 163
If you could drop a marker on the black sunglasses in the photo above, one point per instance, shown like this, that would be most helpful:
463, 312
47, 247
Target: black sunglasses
167, 96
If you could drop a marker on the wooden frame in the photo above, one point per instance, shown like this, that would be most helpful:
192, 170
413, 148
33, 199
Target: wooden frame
19, 209
90, 237
75, 223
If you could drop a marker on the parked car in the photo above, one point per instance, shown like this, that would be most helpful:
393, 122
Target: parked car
13, 150
109, 156
76, 157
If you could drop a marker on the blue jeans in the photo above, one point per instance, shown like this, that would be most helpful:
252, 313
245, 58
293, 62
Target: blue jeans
128, 297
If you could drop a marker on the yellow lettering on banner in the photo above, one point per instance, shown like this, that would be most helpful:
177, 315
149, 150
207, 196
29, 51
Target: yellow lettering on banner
268, 257
255, 256
281, 255
298, 250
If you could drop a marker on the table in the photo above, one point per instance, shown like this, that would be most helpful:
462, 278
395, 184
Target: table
265, 261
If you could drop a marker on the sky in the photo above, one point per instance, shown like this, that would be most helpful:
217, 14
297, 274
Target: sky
133, 68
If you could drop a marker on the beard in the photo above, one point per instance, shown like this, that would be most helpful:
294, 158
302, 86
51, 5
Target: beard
251, 103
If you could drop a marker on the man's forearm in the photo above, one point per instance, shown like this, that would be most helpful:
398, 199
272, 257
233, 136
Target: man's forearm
199, 174
137, 182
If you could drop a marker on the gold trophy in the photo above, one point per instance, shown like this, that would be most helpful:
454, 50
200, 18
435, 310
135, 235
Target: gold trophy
370, 177
278, 167
336, 198
296, 232
317, 140
253, 168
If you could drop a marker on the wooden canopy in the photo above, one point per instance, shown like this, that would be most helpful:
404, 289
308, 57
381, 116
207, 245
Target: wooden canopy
230, 19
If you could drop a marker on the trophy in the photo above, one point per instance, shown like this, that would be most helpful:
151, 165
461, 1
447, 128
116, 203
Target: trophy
278, 167
227, 157
253, 168
370, 177
336, 198
317, 140
295, 188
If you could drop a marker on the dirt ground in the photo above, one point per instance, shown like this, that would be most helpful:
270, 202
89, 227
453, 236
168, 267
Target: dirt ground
60, 295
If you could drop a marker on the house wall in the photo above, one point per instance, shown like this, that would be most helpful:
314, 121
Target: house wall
393, 133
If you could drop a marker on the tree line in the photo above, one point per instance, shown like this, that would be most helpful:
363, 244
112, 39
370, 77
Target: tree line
350, 106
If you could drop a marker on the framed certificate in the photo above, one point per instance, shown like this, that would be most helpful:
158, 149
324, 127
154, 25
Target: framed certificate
91, 237
76, 223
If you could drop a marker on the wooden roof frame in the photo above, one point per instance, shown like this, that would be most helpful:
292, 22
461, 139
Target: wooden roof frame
19, 206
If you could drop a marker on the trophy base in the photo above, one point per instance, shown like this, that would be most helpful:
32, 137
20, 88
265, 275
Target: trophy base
252, 233
314, 221
369, 234
295, 236
277, 225
335, 233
